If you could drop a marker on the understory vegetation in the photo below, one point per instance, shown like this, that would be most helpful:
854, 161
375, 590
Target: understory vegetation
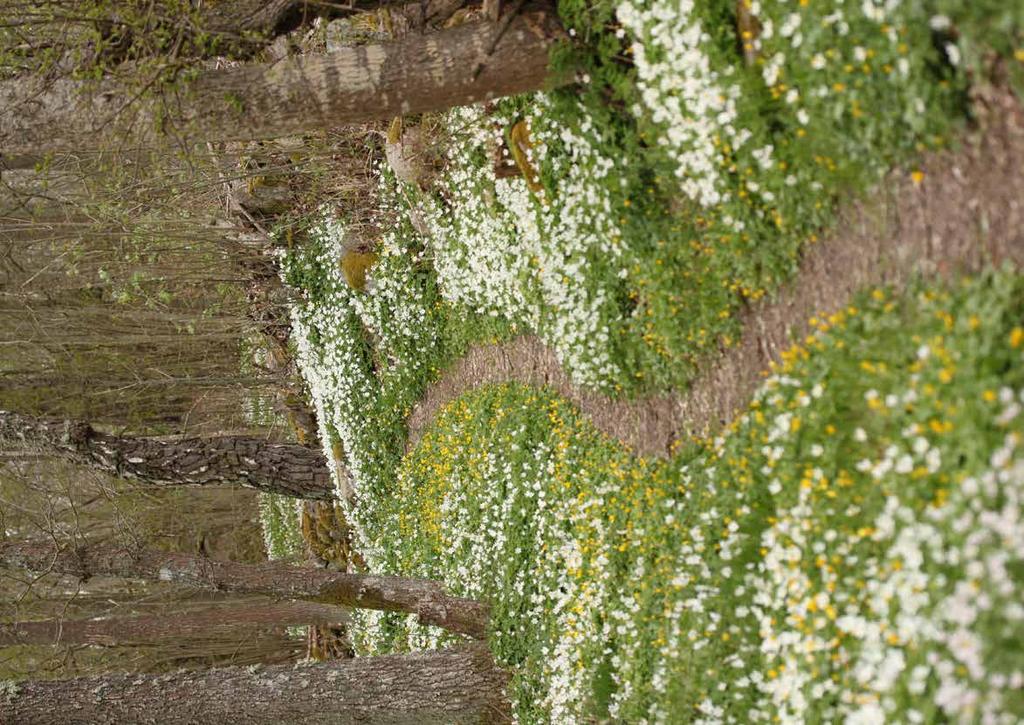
850, 547
683, 175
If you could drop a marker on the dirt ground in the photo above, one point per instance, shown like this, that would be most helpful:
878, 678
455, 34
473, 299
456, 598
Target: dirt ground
966, 212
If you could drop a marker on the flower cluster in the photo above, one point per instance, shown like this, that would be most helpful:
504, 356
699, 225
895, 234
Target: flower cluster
679, 185
279, 519
694, 104
536, 259
848, 550
363, 354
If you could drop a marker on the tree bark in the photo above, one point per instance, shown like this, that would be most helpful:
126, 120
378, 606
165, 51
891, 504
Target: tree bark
448, 686
242, 19
284, 469
237, 28
265, 18
423, 597
193, 624
431, 72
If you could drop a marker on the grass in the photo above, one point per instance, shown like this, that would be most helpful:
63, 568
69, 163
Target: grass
849, 547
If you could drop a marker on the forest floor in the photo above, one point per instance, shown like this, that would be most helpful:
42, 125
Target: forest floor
720, 410
964, 214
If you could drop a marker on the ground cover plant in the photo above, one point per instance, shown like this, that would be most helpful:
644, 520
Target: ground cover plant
707, 142
849, 548
280, 522
368, 354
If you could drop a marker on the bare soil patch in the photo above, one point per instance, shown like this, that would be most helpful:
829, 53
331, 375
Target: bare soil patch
966, 212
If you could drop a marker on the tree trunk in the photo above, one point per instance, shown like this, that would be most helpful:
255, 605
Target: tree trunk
448, 686
193, 624
422, 597
430, 72
284, 469
241, 20
105, 34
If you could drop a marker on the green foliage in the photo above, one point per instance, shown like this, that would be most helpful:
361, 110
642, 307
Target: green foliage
637, 589
369, 355
704, 177
235, 102
279, 517
988, 33
764, 574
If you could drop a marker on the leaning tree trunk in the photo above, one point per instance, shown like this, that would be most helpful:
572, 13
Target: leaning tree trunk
104, 35
422, 597
430, 72
189, 625
448, 686
248, 24
285, 469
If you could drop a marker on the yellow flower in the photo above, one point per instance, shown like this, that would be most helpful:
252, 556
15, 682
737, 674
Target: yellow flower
1016, 337
917, 176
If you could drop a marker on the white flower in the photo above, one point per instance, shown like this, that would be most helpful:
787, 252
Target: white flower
1008, 414
952, 53
868, 714
966, 647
